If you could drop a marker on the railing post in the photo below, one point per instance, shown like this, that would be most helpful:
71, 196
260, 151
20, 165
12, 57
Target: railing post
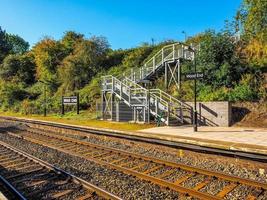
156, 106
132, 74
103, 105
173, 50
168, 114
162, 55
121, 89
130, 96
112, 84
154, 64
181, 113
148, 106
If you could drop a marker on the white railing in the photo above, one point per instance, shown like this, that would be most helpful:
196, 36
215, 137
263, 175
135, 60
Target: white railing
156, 100
159, 103
166, 54
134, 96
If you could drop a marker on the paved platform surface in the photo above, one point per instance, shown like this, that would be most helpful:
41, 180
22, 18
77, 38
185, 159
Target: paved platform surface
239, 138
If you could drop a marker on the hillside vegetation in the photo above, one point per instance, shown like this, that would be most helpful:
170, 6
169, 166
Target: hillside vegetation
234, 68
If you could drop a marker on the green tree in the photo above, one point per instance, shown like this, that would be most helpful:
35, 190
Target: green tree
253, 18
11, 93
70, 40
17, 44
218, 60
78, 68
48, 54
18, 67
4, 46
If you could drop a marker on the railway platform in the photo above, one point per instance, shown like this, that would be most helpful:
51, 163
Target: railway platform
252, 140
229, 140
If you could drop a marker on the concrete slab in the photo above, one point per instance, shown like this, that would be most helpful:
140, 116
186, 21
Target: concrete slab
238, 138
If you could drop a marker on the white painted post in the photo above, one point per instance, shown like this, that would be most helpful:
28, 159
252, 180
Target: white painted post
130, 96
173, 50
121, 89
144, 114
154, 64
148, 105
162, 56
132, 74
156, 106
179, 74
112, 84
168, 115
181, 113
134, 114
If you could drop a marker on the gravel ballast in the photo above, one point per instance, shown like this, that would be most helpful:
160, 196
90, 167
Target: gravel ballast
242, 168
124, 186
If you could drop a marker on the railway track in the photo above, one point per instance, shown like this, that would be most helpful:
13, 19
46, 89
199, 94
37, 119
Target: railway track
177, 177
256, 156
26, 177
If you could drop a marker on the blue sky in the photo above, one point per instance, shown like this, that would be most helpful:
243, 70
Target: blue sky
125, 23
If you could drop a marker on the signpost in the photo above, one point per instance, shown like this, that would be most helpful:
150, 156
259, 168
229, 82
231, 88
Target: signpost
194, 76
72, 100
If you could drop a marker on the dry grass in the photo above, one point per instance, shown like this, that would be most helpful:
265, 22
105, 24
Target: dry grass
84, 119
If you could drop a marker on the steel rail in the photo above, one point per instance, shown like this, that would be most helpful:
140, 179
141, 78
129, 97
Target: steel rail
90, 187
120, 134
164, 162
161, 182
152, 179
12, 189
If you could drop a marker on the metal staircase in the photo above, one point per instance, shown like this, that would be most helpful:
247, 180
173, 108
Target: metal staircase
147, 102
155, 101
168, 54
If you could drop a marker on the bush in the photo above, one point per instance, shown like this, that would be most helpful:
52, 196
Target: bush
242, 92
207, 93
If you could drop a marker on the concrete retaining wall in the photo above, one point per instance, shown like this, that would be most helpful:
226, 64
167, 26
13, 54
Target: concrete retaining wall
216, 113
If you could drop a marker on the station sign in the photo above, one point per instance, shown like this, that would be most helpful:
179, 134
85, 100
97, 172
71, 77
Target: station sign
192, 76
70, 100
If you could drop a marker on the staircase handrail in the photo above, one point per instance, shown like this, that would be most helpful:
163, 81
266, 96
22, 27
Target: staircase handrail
169, 97
112, 77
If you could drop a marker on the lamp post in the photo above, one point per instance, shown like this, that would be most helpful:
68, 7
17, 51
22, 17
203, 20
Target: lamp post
185, 36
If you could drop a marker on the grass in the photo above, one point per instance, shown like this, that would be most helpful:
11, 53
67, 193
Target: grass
85, 118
